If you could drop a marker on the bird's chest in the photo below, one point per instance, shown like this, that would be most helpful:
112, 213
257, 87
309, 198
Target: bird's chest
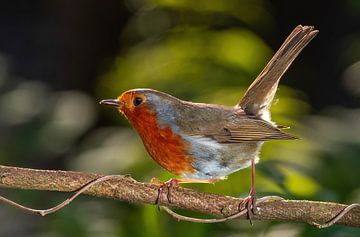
166, 147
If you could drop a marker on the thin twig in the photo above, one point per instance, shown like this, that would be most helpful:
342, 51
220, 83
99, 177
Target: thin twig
180, 217
335, 218
44, 212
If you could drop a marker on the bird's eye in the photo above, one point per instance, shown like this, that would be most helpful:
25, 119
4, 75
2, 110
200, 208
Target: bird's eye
137, 101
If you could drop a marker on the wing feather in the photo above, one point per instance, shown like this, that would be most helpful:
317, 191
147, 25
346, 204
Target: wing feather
250, 130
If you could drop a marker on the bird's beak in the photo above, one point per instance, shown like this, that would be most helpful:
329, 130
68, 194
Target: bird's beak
112, 102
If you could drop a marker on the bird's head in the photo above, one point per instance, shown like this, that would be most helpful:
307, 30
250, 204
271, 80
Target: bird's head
139, 105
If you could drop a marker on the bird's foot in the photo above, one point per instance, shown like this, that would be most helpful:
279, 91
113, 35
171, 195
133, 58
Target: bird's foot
249, 203
162, 185
174, 183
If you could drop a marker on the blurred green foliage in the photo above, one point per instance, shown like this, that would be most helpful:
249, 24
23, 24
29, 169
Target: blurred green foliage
197, 51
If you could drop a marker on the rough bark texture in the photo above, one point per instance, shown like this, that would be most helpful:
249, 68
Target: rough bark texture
127, 189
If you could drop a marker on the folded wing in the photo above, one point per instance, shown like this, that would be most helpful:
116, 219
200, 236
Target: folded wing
249, 130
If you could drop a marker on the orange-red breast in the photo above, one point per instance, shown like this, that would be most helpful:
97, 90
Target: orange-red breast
207, 142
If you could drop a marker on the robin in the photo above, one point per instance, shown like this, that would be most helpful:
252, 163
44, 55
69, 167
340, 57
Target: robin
203, 143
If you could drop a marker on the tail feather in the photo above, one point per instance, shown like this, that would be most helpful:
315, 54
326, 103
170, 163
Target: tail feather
259, 96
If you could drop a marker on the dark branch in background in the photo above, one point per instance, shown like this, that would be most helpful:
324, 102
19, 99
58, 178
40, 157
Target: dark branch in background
125, 188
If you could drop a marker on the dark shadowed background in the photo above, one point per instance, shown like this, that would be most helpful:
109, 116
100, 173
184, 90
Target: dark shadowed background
58, 58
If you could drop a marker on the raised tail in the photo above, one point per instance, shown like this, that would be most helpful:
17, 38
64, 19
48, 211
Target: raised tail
259, 96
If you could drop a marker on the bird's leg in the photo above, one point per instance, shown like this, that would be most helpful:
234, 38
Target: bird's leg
173, 183
168, 184
250, 201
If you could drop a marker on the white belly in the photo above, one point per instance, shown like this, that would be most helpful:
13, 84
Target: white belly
213, 160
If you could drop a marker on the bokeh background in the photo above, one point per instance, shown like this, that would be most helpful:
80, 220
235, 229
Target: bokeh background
58, 58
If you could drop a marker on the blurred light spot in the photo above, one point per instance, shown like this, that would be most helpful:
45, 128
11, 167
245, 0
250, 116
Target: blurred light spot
351, 78
336, 126
240, 48
288, 230
109, 150
74, 110
224, 96
151, 221
99, 223
300, 184
23, 103
73, 113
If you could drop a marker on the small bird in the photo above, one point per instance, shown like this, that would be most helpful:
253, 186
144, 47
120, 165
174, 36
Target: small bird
203, 143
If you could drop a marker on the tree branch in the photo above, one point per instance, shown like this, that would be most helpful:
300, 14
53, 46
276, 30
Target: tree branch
125, 188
